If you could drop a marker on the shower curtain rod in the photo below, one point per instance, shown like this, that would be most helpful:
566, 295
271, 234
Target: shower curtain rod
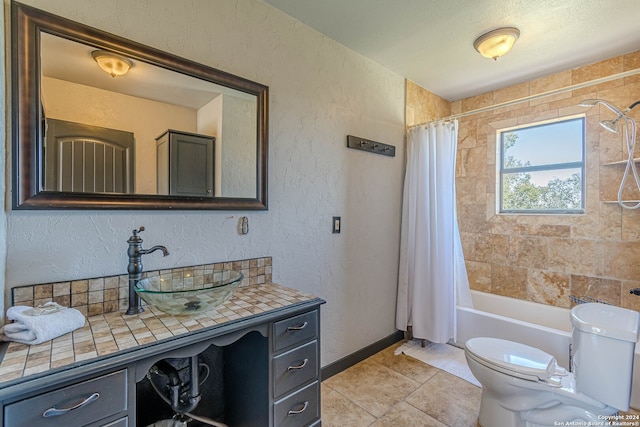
536, 96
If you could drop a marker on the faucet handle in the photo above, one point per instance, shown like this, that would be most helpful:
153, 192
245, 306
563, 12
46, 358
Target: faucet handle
135, 238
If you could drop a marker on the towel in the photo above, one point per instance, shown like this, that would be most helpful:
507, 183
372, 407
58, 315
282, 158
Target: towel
35, 325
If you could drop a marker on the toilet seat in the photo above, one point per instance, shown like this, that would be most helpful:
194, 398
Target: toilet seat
516, 360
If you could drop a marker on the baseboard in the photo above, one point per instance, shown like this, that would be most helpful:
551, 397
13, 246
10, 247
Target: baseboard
358, 356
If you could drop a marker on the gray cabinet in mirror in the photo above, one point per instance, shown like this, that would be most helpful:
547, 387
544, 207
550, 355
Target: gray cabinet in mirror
185, 164
56, 79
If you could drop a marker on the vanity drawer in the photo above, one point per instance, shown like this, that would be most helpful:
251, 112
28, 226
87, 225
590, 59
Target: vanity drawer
294, 368
295, 330
122, 422
103, 396
299, 409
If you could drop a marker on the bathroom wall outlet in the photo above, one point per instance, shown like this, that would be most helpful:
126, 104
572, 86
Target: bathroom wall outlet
337, 224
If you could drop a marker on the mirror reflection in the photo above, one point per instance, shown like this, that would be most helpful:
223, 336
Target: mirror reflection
135, 128
102, 122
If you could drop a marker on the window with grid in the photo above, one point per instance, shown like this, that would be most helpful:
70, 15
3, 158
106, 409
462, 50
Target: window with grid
541, 167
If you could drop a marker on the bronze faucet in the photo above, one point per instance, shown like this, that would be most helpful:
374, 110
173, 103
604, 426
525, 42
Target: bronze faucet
135, 267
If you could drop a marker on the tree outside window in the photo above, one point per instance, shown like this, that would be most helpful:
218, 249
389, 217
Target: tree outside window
542, 168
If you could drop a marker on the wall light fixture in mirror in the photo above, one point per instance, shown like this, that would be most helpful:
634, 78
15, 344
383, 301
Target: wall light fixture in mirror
168, 133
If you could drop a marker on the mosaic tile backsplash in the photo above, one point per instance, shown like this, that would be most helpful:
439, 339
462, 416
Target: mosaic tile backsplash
109, 294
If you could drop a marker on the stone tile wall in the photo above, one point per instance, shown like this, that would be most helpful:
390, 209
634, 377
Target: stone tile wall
109, 294
546, 258
423, 106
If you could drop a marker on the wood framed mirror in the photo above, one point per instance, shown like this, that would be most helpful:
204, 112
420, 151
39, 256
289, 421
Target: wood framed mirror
66, 111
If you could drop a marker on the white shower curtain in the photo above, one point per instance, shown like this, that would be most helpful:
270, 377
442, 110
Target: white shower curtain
432, 276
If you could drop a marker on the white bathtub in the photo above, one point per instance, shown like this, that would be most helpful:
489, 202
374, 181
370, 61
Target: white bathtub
538, 325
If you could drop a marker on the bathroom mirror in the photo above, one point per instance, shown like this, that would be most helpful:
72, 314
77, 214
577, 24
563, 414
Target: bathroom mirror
168, 134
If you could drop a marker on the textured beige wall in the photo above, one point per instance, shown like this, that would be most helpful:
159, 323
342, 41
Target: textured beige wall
545, 258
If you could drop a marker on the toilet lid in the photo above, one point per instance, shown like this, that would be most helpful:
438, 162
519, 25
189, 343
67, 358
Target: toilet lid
516, 359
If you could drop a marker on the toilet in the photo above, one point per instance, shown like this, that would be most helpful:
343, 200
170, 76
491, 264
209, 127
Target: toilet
523, 386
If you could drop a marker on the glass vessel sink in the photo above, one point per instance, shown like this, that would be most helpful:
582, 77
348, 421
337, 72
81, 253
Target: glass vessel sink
184, 296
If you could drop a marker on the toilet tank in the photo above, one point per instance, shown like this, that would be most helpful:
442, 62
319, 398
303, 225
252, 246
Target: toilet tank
603, 343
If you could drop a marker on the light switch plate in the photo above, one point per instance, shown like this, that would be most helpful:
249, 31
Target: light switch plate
337, 224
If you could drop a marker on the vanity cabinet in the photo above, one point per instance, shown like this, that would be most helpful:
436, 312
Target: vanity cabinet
185, 163
271, 376
296, 371
90, 402
284, 391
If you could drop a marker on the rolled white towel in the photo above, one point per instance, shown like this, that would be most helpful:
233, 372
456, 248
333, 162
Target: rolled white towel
37, 325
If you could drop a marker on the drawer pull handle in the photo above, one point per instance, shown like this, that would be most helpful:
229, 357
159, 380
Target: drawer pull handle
299, 411
300, 366
54, 412
298, 328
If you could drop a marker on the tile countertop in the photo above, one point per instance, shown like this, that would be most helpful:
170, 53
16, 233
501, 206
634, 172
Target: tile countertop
110, 333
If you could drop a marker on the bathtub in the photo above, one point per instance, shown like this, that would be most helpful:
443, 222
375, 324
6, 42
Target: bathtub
538, 325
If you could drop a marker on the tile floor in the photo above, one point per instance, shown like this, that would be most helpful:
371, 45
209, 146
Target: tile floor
398, 391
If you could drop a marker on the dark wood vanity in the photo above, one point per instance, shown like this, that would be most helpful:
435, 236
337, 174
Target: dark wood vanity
270, 365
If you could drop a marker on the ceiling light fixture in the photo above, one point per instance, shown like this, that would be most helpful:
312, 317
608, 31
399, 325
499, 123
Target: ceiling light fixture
497, 42
111, 63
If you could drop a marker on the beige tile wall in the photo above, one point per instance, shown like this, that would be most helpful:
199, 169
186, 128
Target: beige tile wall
546, 258
423, 106
109, 294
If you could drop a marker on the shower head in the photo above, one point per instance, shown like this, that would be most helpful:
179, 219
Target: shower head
629, 128
611, 125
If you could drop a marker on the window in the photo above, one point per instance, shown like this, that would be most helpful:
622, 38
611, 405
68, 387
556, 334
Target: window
541, 167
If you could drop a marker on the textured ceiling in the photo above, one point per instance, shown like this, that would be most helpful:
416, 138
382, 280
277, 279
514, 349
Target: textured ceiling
431, 41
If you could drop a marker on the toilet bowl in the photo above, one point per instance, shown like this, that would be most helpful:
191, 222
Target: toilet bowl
523, 386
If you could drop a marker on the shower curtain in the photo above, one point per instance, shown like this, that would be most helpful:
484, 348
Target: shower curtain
432, 277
